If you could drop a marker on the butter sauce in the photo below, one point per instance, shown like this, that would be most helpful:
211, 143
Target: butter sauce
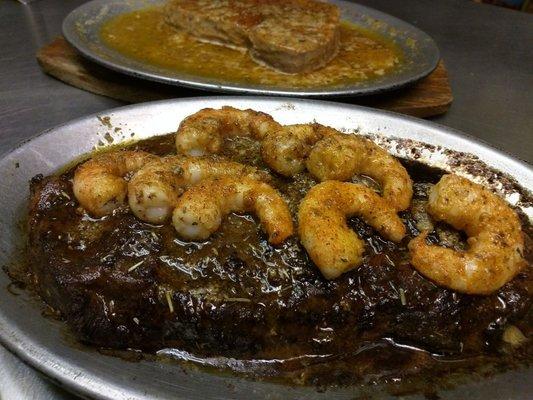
144, 36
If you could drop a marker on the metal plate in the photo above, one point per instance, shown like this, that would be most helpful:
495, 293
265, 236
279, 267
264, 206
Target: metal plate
82, 26
42, 342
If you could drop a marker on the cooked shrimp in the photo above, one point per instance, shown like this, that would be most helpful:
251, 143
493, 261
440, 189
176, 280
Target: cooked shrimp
99, 183
333, 247
200, 210
327, 153
286, 149
339, 157
204, 132
495, 240
154, 190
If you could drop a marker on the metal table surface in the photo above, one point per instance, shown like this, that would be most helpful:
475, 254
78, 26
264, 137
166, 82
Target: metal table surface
487, 50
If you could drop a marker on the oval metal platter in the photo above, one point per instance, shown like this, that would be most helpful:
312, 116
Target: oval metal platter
82, 26
44, 344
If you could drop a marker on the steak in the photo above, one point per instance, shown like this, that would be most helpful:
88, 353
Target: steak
292, 36
121, 283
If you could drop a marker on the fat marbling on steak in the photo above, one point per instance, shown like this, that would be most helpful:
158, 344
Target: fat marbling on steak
289, 35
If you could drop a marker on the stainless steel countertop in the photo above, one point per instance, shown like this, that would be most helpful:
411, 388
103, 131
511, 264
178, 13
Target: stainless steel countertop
487, 51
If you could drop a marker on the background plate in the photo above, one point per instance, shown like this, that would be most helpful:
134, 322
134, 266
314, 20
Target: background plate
81, 28
42, 342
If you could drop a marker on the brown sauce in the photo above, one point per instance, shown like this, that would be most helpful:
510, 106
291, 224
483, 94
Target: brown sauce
235, 303
144, 36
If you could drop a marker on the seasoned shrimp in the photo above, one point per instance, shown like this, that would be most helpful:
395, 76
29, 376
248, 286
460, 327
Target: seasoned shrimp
331, 244
200, 210
154, 190
99, 183
495, 239
327, 153
204, 132
286, 150
339, 157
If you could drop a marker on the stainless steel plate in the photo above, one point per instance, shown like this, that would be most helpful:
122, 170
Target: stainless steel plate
82, 26
42, 342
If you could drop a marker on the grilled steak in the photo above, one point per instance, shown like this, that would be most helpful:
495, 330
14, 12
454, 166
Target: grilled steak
121, 283
290, 35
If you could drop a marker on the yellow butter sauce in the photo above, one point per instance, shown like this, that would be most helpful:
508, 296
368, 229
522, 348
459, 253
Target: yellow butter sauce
144, 36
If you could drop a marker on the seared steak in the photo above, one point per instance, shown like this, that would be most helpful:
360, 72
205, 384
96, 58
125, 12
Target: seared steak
121, 283
290, 35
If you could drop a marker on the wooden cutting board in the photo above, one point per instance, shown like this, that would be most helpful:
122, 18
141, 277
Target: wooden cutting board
431, 96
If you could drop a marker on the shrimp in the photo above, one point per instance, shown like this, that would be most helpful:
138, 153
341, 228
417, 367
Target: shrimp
286, 150
331, 155
99, 184
495, 240
154, 190
204, 132
339, 157
333, 247
200, 210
